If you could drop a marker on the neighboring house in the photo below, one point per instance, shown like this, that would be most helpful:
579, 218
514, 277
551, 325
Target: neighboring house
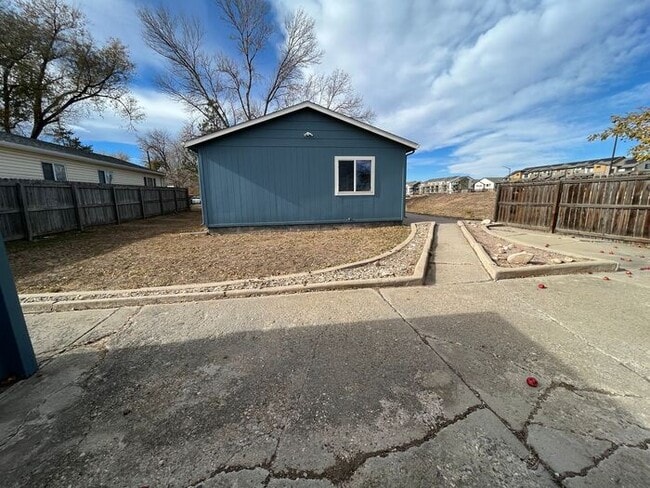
412, 188
31, 159
488, 184
304, 164
450, 184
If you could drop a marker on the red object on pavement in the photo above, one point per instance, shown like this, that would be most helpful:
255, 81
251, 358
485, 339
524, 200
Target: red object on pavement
628, 272
532, 382
645, 268
605, 278
541, 286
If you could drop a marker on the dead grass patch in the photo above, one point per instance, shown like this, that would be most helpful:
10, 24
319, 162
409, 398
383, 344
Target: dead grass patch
154, 252
472, 206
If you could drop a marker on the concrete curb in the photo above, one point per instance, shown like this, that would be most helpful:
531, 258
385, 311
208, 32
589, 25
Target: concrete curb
184, 293
497, 273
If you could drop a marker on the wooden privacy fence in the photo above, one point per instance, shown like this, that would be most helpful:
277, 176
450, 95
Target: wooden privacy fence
617, 207
30, 209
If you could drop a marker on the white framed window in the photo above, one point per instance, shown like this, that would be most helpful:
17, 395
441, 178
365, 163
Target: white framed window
149, 181
354, 175
105, 177
54, 172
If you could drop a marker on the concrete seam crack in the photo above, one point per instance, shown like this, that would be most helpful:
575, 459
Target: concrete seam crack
534, 458
602, 457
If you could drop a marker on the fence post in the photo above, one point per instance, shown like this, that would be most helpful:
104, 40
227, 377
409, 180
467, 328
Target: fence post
556, 207
495, 217
77, 206
22, 201
117, 207
176, 200
141, 193
160, 201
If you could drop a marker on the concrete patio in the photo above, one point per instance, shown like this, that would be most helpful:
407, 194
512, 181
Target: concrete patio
421, 386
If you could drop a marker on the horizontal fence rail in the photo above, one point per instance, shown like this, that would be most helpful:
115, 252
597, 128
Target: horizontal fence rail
617, 208
30, 208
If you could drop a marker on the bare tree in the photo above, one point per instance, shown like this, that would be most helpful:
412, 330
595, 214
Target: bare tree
333, 91
225, 89
53, 71
166, 153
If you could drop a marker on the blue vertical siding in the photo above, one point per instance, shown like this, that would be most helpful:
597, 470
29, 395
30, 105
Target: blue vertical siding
270, 174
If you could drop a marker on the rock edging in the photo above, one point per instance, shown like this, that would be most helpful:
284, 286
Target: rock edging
497, 273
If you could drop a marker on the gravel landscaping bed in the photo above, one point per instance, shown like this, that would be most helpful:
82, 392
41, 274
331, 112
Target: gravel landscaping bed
500, 249
400, 263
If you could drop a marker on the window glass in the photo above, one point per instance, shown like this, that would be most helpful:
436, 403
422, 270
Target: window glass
364, 175
48, 171
59, 172
102, 176
346, 175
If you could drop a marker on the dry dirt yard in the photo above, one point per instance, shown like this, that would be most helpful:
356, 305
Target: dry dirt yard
162, 251
473, 206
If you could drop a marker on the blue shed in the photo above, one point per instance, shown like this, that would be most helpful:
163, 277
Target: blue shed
304, 164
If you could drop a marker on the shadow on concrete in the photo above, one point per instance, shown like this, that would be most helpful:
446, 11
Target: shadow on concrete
368, 403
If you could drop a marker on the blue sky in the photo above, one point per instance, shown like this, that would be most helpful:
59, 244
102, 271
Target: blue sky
479, 85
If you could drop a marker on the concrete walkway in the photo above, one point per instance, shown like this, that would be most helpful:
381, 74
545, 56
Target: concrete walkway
421, 386
452, 260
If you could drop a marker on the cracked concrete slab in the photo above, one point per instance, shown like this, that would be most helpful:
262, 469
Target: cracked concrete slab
563, 450
248, 478
478, 451
300, 382
425, 386
51, 333
625, 467
618, 420
621, 312
299, 483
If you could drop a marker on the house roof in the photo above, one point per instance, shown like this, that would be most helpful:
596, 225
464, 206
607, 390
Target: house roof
12, 141
493, 179
294, 108
573, 164
450, 179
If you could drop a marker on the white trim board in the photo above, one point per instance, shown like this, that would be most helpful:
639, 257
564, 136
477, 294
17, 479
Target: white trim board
353, 193
344, 118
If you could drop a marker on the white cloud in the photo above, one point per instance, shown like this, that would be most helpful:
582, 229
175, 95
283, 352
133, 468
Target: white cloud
499, 82
161, 113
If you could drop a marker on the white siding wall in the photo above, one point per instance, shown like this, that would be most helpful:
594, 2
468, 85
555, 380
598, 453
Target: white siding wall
27, 165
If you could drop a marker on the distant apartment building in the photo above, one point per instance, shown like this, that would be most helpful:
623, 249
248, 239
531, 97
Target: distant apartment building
452, 184
617, 166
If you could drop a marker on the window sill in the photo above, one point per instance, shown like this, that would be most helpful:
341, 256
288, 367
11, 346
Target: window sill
354, 194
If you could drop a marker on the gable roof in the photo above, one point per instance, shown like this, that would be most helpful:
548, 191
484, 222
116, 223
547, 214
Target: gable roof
12, 141
493, 179
294, 108
572, 164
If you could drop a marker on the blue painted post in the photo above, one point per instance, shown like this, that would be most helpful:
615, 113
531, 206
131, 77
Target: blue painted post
16, 352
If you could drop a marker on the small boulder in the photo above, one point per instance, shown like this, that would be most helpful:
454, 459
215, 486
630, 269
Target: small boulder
569, 260
520, 258
556, 261
486, 222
